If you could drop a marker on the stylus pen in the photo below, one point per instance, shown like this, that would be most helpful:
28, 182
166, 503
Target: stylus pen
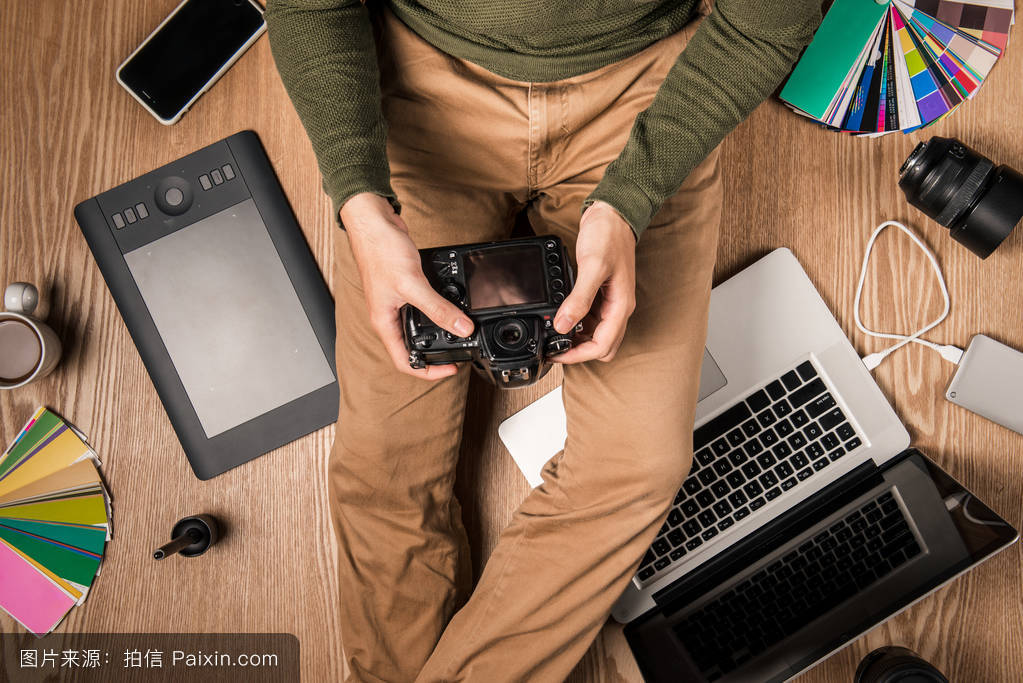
178, 544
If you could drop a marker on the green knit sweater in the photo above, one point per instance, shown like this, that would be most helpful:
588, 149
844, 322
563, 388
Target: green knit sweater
324, 51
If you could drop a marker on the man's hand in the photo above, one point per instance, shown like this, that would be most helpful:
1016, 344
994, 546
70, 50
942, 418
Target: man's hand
606, 256
392, 275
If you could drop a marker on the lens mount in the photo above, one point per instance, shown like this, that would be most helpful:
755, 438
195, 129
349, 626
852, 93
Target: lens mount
912, 158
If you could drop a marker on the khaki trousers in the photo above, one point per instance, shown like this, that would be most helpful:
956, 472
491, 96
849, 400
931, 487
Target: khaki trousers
468, 151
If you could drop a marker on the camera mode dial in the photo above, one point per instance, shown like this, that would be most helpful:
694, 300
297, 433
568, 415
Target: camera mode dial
445, 264
557, 344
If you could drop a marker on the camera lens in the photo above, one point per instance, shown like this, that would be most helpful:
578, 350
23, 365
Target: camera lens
978, 202
511, 334
892, 663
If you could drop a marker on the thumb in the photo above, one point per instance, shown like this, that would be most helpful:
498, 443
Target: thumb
438, 309
579, 302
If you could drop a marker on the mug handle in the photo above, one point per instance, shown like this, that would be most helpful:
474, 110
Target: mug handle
21, 297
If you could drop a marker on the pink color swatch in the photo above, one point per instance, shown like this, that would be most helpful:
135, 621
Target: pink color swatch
28, 596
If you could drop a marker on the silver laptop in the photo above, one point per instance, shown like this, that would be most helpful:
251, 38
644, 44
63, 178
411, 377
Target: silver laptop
789, 421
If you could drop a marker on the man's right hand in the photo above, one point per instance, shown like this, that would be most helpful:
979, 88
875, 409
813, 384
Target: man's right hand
392, 276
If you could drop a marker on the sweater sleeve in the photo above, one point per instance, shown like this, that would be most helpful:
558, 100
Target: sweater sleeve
735, 60
325, 53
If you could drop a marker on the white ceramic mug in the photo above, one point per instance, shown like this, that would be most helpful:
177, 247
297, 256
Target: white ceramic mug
29, 348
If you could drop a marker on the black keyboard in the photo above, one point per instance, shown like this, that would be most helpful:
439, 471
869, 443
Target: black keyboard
794, 590
757, 451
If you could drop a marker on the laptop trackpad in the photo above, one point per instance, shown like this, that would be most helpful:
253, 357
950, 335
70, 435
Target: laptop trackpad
711, 377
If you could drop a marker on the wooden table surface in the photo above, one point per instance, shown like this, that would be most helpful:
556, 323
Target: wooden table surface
69, 131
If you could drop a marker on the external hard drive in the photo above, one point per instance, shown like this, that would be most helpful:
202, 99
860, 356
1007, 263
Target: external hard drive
989, 382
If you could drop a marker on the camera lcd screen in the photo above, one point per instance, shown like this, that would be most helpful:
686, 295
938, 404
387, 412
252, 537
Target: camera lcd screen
505, 276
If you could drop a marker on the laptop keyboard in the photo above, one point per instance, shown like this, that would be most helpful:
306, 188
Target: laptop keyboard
759, 450
834, 565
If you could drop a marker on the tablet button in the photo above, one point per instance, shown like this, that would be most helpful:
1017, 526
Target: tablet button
173, 195
129, 215
204, 180
118, 221
141, 210
217, 177
228, 171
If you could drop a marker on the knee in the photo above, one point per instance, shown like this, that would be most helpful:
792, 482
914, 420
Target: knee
662, 469
646, 471
353, 475
376, 465
361, 450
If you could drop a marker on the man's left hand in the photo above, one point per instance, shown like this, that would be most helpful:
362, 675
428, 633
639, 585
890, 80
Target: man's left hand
606, 257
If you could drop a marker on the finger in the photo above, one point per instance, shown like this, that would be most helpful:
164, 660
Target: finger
588, 350
617, 305
606, 337
592, 275
611, 353
601, 345
433, 372
438, 309
389, 330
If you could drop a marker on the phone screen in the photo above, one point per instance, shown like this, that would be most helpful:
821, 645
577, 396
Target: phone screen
187, 51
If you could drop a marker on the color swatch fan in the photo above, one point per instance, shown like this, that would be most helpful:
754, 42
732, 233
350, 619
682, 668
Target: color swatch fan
54, 522
875, 67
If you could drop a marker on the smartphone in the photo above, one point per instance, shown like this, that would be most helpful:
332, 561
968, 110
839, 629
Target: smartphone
188, 52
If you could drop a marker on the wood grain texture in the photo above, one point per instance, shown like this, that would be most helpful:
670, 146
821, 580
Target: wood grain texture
68, 132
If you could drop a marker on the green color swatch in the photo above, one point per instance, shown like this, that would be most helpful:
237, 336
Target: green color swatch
829, 58
88, 538
45, 424
64, 562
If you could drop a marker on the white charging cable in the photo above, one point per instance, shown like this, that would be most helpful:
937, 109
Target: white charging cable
953, 354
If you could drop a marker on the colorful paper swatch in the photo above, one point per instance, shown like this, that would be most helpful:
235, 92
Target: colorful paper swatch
30, 596
55, 522
873, 68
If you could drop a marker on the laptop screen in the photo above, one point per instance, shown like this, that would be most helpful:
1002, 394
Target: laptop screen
833, 568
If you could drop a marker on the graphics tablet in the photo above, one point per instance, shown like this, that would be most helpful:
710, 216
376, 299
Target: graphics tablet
223, 300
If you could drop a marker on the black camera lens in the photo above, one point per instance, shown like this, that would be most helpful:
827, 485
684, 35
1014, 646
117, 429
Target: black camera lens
894, 664
511, 334
978, 202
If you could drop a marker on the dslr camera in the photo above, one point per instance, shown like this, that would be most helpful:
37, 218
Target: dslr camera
511, 290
